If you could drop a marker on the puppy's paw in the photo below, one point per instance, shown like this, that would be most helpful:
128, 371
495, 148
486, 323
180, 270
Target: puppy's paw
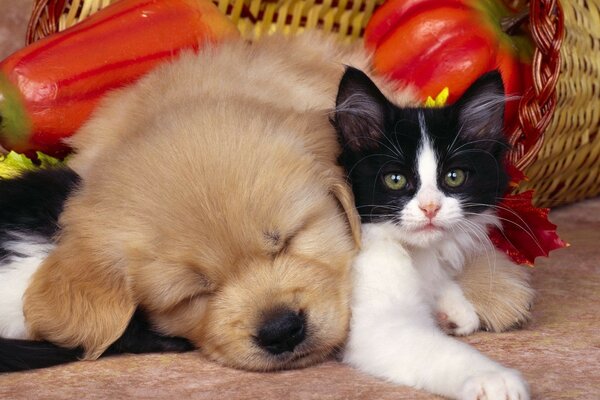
499, 291
456, 316
504, 384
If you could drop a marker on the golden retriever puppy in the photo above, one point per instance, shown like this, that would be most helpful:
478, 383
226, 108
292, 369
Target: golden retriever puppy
211, 199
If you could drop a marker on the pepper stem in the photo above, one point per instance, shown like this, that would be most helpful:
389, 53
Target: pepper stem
510, 24
15, 123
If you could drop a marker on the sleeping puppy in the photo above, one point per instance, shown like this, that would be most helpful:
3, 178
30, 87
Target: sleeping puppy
212, 202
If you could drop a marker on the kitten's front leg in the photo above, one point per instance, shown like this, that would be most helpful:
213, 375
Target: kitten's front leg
394, 336
455, 314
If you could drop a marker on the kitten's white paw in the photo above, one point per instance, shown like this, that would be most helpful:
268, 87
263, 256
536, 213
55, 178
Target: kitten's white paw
456, 315
505, 384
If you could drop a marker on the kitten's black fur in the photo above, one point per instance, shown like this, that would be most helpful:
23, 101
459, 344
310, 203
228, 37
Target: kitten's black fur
380, 138
21, 355
31, 205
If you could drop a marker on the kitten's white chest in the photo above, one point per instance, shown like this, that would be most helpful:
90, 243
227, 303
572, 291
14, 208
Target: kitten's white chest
382, 270
433, 271
385, 266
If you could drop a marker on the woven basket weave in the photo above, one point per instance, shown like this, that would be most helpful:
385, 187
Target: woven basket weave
567, 167
562, 168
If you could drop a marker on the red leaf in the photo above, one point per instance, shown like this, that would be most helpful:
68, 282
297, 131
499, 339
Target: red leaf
515, 175
526, 231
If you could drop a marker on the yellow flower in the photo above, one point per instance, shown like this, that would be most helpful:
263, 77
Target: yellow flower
440, 99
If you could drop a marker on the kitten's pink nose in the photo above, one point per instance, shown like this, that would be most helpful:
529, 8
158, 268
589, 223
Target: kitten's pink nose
430, 209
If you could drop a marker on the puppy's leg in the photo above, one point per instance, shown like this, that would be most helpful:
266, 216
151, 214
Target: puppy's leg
499, 290
76, 301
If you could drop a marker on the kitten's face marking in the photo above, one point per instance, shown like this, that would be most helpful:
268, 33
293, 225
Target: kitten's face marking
430, 210
451, 158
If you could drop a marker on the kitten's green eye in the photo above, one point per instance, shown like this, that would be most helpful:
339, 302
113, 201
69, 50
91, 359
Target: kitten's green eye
455, 177
395, 181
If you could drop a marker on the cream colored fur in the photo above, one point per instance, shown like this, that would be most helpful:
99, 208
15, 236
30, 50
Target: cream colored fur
499, 290
211, 195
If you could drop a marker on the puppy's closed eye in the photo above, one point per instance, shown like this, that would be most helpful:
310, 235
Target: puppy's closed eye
277, 242
274, 241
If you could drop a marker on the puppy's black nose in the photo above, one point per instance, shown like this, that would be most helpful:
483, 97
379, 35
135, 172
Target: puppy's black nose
282, 331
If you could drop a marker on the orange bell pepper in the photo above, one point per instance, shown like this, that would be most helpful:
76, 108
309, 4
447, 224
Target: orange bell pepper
48, 89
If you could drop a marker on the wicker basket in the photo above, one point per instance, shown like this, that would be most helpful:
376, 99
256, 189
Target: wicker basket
567, 167
563, 167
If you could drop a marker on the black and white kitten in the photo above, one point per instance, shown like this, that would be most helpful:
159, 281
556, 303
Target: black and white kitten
426, 181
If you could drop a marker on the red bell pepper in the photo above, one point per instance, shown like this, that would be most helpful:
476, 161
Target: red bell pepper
48, 89
433, 44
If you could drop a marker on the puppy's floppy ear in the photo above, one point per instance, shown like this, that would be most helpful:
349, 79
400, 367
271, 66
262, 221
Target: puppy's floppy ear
343, 193
360, 111
73, 301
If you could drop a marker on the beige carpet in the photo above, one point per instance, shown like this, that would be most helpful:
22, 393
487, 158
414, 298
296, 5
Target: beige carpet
559, 352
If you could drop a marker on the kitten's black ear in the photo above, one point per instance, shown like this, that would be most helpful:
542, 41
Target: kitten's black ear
481, 107
359, 111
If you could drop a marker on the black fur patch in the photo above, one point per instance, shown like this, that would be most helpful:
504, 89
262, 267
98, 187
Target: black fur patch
21, 355
379, 138
32, 203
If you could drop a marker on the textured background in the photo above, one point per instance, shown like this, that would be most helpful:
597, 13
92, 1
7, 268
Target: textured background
558, 352
14, 15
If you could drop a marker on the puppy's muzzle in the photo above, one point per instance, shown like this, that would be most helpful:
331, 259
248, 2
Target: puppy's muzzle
282, 331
